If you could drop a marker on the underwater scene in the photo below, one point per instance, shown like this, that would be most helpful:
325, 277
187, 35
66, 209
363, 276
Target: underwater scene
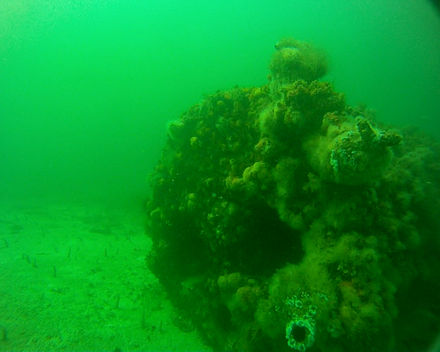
237, 176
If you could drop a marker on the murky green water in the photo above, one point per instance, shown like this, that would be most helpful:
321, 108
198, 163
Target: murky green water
87, 88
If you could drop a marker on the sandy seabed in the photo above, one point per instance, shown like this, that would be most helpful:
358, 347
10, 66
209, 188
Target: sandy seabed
73, 278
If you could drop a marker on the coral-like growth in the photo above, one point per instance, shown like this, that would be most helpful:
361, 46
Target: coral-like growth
294, 60
350, 151
300, 334
285, 220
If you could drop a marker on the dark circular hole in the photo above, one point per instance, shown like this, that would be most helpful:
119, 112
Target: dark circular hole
299, 333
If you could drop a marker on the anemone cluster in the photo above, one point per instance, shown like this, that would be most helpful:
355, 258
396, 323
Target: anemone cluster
283, 219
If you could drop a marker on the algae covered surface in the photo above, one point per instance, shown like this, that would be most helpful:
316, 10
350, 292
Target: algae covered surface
284, 219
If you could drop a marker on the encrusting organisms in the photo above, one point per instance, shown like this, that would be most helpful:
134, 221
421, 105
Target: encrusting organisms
283, 219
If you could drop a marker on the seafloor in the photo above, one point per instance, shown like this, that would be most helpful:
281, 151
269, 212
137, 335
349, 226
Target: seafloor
73, 278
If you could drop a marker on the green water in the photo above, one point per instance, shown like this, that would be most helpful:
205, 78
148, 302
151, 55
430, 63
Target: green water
87, 88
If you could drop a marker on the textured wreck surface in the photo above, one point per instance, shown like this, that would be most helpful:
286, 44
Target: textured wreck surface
285, 220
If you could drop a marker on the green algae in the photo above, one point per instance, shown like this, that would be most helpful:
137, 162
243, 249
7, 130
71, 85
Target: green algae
283, 219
